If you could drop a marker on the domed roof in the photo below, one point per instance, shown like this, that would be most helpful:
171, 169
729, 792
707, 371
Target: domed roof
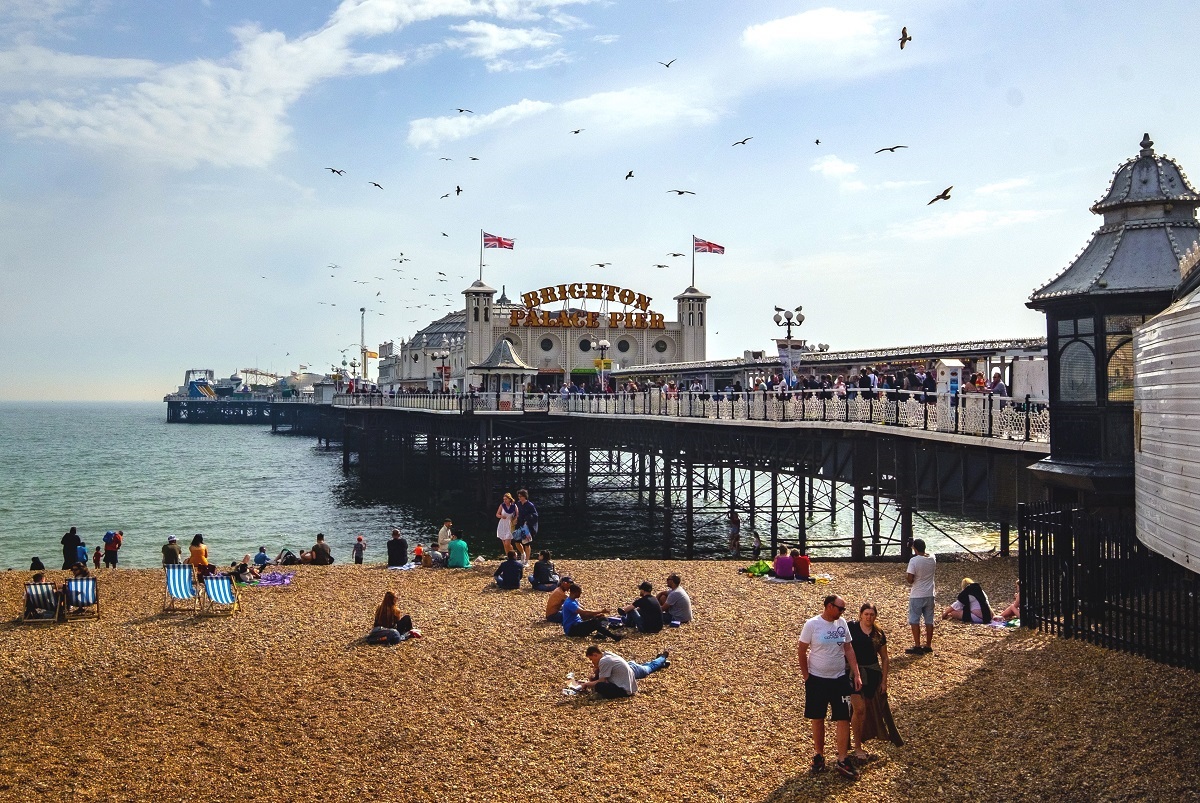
1147, 178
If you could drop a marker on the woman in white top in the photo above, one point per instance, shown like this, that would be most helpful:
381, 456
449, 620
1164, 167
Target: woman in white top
507, 514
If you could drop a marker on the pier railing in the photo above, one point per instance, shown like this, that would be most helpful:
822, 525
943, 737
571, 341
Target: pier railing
977, 414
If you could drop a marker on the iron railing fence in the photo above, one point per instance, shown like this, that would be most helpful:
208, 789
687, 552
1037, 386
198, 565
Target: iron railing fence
977, 414
1087, 576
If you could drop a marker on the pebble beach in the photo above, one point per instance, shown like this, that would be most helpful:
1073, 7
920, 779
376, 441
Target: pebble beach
285, 700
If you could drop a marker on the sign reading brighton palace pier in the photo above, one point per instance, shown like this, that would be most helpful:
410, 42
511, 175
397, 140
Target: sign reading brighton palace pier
642, 318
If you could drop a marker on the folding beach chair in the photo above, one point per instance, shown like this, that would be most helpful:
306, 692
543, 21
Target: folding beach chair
220, 596
40, 604
81, 600
181, 592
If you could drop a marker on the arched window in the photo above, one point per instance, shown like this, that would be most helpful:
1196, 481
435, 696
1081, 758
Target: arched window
476, 313
702, 319
487, 314
691, 319
1077, 373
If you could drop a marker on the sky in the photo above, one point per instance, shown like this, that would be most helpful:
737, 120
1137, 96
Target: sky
165, 201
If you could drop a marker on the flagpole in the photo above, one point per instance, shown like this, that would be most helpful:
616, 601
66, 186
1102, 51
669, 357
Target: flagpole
693, 260
481, 255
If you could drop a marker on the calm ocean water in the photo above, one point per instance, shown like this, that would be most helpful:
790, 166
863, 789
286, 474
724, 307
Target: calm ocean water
102, 466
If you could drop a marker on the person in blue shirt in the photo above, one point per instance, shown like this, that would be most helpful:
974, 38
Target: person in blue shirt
262, 558
527, 525
578, 622
508, 575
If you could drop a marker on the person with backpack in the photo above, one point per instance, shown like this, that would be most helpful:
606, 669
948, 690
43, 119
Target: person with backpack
112, 542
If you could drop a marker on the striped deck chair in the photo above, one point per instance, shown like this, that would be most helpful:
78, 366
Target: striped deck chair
81, 600
40, 603
220, 596
181, 590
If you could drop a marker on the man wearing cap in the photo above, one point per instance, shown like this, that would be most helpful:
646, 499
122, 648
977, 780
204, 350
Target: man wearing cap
444, 536
170, 550
644, 613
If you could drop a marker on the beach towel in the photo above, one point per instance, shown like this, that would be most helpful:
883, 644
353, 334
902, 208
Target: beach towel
276, 579
406, 567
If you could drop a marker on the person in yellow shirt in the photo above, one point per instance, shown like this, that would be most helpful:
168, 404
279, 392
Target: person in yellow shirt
198, 552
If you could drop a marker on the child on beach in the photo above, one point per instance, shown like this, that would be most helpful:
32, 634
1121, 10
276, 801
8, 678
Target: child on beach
359, 548
96, 557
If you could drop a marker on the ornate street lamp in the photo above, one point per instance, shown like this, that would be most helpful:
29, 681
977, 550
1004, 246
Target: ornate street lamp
441, 354
602, 346
788, 318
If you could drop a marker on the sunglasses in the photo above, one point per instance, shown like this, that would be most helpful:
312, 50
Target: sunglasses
840, 608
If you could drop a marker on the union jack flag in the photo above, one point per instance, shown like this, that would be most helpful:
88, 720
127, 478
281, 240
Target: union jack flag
496, 241
705, 247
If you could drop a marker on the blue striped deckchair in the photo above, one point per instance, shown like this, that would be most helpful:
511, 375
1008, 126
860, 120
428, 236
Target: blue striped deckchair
181, 591
81, 600
220, 596
41, 603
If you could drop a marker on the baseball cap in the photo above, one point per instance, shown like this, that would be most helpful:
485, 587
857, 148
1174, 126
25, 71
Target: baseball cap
171, 539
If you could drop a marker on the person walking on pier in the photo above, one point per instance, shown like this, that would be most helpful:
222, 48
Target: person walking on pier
824, 652
920, 576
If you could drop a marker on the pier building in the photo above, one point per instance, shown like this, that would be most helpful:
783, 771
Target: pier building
567, 332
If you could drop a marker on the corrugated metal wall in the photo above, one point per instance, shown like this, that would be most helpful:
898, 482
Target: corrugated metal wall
1167, 432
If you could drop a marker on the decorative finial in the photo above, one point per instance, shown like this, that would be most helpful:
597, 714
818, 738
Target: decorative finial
1147, 145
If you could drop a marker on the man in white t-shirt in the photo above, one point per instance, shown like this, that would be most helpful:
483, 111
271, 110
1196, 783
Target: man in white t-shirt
921, 569
614, 675
824, 652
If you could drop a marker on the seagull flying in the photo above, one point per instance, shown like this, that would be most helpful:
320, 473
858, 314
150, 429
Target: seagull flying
464, 111
629, 175
667, 64
662, 266
601, 264
473, 158
374, 184
457, 190
447, 195
682, 192
444, 234
576, 131
891, 149
445, 159
743, 141
675, 254
335, 170
943, 196
816, 142
439, 273
904, 37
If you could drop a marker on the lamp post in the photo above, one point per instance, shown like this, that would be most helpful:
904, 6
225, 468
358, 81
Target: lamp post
788, 318
362, 339
442, 354
602, 346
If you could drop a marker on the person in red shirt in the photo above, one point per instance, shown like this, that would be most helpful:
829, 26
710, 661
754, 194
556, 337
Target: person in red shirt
800, 565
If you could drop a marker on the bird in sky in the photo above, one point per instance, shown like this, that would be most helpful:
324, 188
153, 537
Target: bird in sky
943, 196
904, 37
445, 159
335, 170
601, 264
323, 302
356, 281
891, 149
743, 141
331, 265
576, 131
264, 277
447, 195
379, 294
816, 142
667, 64
441, 280
398, 270
457, 190
439, 273
398, 259
374, 184
682, 192
675, 254
629, 175
473, 158
444, 234
662, 266
464, 111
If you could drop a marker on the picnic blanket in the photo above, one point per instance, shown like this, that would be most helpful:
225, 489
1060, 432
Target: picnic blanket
406, 567
276, 579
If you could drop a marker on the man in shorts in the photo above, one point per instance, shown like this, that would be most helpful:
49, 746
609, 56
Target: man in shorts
824, 652
921, 594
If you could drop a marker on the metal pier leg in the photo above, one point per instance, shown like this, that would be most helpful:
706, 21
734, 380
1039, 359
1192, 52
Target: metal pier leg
805, 511
833, 501
809, 503
753, 502
690, 531
775, 511
876, 547
641, 475
1005, 539
652, 472
906, 528
666, 530
858, 547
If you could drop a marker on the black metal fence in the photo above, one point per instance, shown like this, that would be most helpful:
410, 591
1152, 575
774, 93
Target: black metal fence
1086, 576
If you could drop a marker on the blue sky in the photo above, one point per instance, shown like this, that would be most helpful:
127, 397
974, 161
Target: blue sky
164, 202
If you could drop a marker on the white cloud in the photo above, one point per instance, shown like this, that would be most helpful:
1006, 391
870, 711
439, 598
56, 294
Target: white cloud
28, 66
488, 41
818, 36
231, 111
1003, 186
549, 60
433, 131
606, 38
947, 225
639, 107
832, 166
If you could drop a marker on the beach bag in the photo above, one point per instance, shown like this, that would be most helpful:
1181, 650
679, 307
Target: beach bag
109, 536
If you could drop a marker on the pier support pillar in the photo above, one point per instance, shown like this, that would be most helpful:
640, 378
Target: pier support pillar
876, 545
666, 530
751, 499
858, 547
1005, 540
906, 528
775, 511
690, 526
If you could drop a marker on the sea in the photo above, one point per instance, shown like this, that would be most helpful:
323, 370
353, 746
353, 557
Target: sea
102, 466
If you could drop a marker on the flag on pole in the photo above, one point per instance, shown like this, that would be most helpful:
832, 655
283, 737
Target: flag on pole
705, 247
496, 241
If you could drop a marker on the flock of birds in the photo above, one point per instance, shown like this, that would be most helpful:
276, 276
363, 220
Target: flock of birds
412, 284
